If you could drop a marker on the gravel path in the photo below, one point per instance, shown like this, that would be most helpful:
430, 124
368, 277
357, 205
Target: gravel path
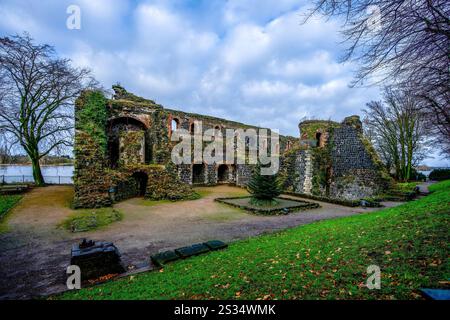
34, 251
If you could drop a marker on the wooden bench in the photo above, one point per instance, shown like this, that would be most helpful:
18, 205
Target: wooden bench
7, 189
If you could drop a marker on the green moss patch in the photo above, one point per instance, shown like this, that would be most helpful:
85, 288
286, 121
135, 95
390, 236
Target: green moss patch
91, 219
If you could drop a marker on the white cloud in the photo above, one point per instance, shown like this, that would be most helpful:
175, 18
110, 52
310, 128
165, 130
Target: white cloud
258, 65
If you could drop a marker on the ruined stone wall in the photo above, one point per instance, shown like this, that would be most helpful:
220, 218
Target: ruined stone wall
296, 171
348, 152
97, 181
356, 173
243, 174
185, 173
211, 174
330, 159
131, 147
333, 160
91, 184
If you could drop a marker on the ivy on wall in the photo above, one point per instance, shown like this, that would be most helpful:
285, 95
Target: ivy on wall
289, 173
385, 178
91, 116
131, 146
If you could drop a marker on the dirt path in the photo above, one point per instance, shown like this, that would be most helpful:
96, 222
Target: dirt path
34, 252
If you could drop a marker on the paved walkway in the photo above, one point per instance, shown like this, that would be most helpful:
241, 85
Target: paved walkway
34, 251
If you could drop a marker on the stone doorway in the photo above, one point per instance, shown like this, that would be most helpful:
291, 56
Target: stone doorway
198, 173
223, 173
141, 179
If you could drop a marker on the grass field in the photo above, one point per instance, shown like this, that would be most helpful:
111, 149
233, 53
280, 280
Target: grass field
7, 202
323, 260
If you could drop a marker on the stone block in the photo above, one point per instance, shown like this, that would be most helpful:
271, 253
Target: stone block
163, 257
193, 250
215, 244
96, 259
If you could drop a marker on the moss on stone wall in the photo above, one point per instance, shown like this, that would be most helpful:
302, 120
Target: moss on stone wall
160, 136
165, 184
120, 93
289, 173
321, 165
131, 147
90, 181
384, 176
309, 128
91, 116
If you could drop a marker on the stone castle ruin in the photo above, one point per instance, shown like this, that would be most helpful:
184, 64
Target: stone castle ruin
123, 149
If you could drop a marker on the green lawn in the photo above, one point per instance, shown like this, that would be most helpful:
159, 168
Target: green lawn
323, 260
7, 202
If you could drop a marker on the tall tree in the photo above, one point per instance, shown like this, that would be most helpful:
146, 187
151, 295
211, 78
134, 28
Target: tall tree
397, 129
37, 92
403, 43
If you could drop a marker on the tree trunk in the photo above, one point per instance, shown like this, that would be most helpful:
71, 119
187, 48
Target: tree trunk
37, 174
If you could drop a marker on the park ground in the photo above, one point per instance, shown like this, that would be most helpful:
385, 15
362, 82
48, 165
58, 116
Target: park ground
322, 260
35, 248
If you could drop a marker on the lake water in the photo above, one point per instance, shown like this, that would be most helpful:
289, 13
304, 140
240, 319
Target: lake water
23, 173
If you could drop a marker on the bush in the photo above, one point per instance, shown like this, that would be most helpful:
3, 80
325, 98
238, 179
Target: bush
440, 174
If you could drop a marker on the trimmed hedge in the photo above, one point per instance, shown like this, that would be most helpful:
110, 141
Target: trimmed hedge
440, 174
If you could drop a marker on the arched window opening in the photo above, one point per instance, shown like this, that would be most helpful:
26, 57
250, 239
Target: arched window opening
192, 128
118, 130
174, 124
318, 139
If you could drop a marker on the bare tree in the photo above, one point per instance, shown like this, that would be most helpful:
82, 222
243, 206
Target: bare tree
4, 149
37, 91
404, 43
397, 129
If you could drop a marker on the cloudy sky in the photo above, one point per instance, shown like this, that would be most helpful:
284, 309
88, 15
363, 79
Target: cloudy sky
246, 60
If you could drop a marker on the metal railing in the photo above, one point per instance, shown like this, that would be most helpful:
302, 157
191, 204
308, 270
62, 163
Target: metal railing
29, 179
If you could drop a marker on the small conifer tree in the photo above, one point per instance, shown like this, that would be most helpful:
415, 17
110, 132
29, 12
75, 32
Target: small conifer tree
263, 188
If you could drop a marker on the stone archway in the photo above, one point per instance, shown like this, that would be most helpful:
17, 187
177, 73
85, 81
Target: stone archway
223, 173
141, 179
198, 173
119, 130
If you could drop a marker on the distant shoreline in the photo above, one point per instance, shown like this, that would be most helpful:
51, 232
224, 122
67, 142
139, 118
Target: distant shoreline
42, 165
